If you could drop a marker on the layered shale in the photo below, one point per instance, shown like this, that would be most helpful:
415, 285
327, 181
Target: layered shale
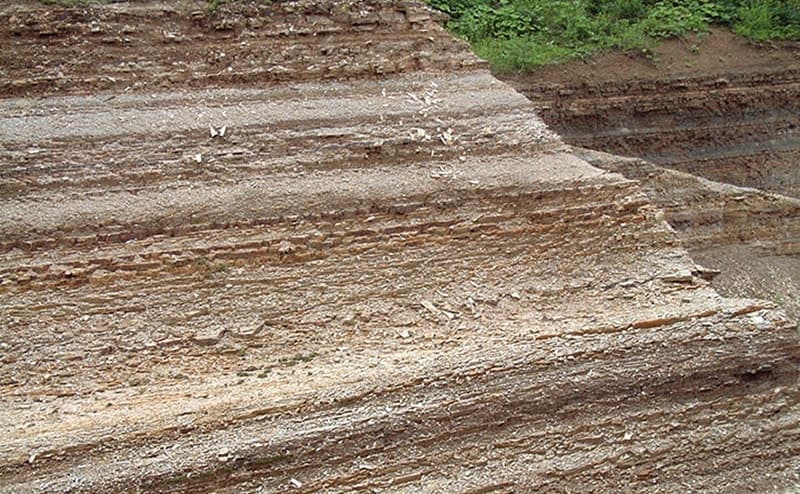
316, 246
715, 119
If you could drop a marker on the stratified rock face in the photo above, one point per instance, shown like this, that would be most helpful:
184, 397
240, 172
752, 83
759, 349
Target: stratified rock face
747, 238
384, 274
719, 127
727, 110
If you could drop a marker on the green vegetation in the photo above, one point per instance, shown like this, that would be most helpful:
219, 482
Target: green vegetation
769, 19
213, 5
519, 35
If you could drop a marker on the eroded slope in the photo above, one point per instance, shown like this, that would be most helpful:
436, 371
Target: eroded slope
392, 280
715, 108
747, 238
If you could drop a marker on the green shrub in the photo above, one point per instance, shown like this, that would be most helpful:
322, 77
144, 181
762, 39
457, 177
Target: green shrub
670, 19
521, 54
619, 9
768, 19
519, 35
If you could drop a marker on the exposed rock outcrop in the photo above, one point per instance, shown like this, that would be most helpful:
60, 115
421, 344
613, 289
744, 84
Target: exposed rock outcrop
388, 274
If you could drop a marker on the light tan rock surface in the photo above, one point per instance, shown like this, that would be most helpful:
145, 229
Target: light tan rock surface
387, 276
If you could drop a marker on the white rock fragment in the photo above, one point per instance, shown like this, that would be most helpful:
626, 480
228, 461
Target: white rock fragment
220, 132
432, 308
447, 137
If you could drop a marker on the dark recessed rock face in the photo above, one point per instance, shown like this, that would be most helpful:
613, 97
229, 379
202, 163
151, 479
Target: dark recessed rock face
387, 274
717, 122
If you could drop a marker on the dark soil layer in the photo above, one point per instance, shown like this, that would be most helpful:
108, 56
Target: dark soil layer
718, 106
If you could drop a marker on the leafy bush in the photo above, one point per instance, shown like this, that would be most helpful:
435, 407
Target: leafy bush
508, 55
670, 19
768, 19
519, 35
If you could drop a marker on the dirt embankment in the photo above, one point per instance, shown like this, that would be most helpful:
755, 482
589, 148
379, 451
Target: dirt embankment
713, 106
385, 275
716, 108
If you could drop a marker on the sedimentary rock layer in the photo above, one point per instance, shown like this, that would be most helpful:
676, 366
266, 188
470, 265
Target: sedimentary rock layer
723, 109
716, 124
371, 280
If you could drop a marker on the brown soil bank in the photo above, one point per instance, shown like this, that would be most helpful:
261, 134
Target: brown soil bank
716, 107
385, 275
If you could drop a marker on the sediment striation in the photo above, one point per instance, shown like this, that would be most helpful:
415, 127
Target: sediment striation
316, 246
